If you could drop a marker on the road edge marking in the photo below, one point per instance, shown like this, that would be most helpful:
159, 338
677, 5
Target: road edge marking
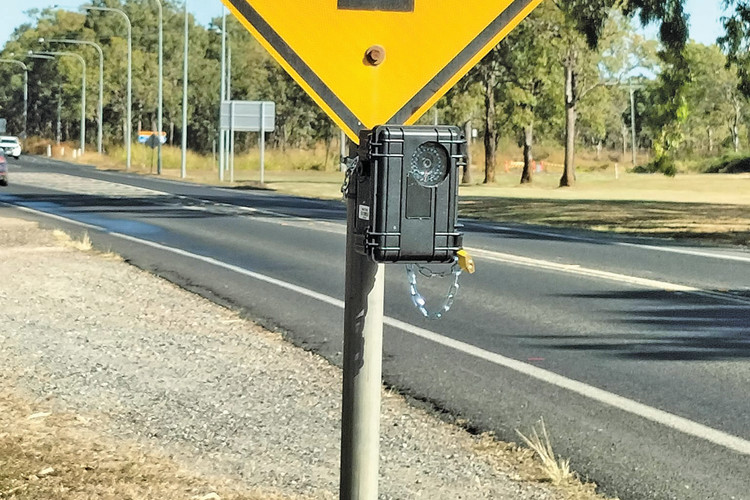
681, 424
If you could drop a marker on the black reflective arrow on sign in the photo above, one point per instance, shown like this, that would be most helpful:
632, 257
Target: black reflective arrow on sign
392, 5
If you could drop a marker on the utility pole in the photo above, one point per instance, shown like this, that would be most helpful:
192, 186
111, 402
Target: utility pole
183, 165
222, 91
160, 112
632, 122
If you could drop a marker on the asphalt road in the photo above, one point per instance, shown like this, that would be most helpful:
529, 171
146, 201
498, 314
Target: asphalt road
635, 352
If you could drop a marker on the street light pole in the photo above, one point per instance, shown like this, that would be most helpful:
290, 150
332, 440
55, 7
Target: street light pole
160, 90
632, 121
129, 126
25, 92
223, 91
83, 89
100, 105
183, 165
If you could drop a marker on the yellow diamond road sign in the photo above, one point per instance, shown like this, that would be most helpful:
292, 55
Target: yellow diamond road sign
372, 62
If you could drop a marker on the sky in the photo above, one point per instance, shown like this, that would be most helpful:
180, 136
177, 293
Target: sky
704, 15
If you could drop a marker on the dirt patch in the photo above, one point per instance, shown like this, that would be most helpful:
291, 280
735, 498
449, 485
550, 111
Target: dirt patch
45, 454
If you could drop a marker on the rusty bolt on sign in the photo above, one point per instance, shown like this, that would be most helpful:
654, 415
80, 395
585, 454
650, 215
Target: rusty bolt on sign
375, 55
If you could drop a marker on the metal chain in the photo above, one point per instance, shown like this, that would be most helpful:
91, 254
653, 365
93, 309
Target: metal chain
351, 164
418, 299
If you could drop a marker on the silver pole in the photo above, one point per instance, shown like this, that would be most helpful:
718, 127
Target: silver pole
363, 348
632, 122
229, 70
222, 89
228, 95
129, 127
25, 102
160, 112
99, 133
262, 142
83, 106
25, 91
231, 143
58, 124
183, 165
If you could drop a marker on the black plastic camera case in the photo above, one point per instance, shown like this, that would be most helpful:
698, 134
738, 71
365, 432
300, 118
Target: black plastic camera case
407, 193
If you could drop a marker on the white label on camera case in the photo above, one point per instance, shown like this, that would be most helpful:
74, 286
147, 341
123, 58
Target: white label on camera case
364, 212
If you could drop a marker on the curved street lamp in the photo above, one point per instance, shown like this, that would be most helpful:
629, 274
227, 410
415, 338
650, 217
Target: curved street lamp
25, 92
129, 127
101, 82
83, 87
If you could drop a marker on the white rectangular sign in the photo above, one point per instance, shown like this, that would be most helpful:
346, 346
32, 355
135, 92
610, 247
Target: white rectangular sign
245, 116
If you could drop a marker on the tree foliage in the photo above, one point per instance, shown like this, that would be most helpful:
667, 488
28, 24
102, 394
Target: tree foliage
560, 77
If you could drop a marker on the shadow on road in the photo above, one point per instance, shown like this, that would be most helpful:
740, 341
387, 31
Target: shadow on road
676, 326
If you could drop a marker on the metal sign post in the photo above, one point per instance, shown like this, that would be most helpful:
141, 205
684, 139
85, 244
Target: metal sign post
367, 63
247, 116
262, 143
363, 348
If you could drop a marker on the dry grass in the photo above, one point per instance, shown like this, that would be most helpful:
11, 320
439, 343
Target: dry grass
45, 455
711, 207
556, 470
83, 244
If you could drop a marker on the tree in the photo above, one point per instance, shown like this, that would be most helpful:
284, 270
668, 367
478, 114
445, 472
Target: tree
736, 41
713, 98
590, 18
529, 85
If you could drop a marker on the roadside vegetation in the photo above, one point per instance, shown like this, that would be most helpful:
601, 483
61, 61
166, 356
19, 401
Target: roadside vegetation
47, 454
557, 90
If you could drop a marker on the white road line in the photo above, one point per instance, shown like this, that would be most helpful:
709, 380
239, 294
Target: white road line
338, 228
661, 417
684, 251
605, 275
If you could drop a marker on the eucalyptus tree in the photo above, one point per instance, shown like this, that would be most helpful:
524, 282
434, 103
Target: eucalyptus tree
590, 18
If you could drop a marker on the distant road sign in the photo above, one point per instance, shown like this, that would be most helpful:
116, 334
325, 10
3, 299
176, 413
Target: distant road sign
371, 62
245, 116
148, 137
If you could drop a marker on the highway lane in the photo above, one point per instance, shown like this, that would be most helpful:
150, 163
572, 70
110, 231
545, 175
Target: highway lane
683, 352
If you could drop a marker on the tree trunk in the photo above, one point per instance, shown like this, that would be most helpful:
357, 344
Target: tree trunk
528, 158
568, 176
710, 140
736, 126
624, 142
466, 179
599, 150
490, 130
329, 141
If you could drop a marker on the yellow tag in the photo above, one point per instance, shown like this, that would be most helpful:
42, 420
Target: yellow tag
465, 261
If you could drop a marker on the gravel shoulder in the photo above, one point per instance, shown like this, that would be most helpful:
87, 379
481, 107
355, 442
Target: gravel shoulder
119, 367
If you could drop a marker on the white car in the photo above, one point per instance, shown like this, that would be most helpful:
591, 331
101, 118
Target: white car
11, 146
